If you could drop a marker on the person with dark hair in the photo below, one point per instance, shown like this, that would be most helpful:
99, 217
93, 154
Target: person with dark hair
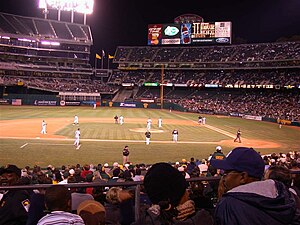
116, 119
238, 136
125, 154
245, 199
148, 136
14, 204
283, 175
175, 135
279, 173
167, 191
119, 206
58, 202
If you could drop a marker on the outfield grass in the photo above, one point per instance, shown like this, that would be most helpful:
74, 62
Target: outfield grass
95, 149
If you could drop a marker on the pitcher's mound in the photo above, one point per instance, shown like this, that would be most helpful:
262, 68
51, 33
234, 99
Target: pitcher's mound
143, 130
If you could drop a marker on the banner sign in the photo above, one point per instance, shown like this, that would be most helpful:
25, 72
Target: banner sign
4, 102
44, 103
131, 105
69, 103
249, 117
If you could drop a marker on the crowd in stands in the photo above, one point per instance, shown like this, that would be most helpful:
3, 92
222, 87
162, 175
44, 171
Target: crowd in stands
58, 84
232, 53
265, 103
220, 77
164, 185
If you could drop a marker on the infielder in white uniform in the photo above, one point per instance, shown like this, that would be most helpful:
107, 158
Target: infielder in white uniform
44, 127
75, 120
77, 137
159, 122
121, 120
203, 120
175, 135
148, 136
149, 122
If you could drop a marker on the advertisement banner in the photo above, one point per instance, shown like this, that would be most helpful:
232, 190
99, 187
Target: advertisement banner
4, 102
88, 102
130, 105
75, 103
249, 117
171, 34
190, 33
44, 103
69, 103
223, 29
154, 34
147, 100
186, 30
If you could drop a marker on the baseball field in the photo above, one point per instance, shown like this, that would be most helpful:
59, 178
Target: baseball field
22, 143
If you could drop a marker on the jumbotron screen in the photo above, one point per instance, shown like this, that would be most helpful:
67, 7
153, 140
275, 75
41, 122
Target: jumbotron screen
189, 33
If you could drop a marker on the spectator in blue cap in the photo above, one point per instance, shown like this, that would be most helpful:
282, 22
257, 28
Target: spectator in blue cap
246, 198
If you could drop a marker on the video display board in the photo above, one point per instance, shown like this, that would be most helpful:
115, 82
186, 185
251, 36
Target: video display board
190, 33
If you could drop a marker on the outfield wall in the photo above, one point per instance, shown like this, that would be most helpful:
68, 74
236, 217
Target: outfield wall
55, 100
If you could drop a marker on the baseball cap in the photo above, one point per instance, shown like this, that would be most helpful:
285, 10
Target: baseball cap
242, 159
72, 171
11, 169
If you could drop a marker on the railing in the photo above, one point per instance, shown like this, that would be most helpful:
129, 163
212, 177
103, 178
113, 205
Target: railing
137, 185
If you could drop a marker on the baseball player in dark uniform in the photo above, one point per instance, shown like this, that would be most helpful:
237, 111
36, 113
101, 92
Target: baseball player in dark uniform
116, 119
125, 155
238, 136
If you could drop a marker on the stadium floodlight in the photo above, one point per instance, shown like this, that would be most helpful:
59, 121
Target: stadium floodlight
80, 6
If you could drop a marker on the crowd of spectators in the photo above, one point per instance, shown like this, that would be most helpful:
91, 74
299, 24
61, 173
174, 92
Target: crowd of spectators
265, 103
59, 84
277, 77
232, 53
117, 202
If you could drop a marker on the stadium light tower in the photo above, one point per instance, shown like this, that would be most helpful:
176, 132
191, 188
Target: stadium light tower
84, 7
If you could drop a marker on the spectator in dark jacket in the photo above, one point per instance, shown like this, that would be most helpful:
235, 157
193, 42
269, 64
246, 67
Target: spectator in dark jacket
247, 199
14, 204
166, 189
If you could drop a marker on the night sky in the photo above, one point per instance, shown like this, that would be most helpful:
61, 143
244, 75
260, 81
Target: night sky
124, 22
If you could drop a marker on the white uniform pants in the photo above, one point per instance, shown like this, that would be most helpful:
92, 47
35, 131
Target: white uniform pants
76, 142
147, 141
175, 137
43, 130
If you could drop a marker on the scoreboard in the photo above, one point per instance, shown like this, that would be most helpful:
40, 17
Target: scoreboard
190, 33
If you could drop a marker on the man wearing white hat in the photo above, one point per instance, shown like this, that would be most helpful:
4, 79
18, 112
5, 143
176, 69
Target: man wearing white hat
218, 154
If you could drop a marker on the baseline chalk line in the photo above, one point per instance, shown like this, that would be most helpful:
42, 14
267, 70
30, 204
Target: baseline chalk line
23, 146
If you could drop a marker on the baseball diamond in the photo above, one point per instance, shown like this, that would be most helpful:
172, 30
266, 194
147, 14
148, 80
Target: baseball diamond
101, 139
